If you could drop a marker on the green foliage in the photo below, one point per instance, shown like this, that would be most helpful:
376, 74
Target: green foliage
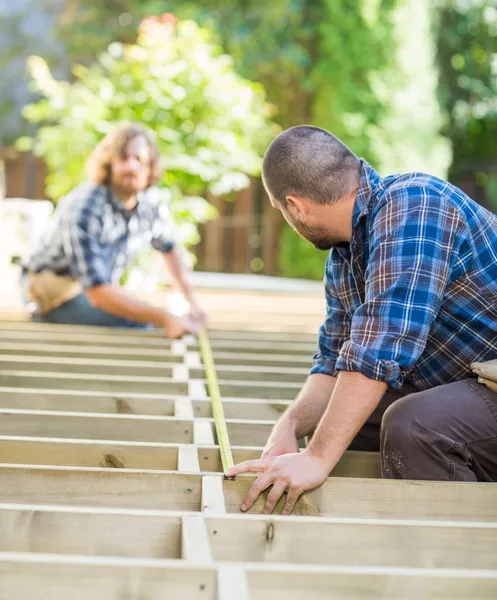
467, 51
210, 124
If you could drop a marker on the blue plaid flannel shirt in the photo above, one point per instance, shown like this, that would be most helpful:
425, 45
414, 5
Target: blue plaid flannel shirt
92, 237
414, 295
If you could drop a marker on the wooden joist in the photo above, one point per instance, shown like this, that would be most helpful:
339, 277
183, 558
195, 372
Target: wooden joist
111, 482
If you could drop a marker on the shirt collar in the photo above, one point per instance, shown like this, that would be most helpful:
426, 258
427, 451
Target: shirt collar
118, 205
368, 185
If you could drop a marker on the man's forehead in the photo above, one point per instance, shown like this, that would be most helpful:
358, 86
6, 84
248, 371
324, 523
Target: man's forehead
137, 145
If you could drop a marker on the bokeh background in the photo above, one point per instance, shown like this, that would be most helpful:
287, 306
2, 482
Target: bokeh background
408, 84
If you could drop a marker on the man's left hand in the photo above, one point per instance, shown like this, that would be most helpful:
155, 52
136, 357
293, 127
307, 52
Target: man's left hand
293, 473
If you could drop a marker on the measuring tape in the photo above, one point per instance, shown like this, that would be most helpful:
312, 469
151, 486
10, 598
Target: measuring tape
216, 402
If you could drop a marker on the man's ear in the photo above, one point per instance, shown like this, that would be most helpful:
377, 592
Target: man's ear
297, 207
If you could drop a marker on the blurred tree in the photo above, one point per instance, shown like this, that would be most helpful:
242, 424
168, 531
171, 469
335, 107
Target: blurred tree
345, 66
211, 125
467, 57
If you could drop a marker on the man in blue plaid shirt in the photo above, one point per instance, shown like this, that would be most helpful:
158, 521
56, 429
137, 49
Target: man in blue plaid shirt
411, 292
96, 232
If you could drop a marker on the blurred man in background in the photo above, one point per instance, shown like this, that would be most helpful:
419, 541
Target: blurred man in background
96, 231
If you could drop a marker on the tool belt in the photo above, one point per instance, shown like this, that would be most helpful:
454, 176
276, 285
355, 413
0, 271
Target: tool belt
49, 290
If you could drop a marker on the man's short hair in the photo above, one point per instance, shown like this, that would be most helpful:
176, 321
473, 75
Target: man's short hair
309, 162
114, 144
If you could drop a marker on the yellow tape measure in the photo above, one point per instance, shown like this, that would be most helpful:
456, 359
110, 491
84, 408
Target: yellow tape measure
216, 402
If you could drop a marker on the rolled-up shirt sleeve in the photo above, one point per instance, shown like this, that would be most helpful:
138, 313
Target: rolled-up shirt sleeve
163, 229
334, 331
81, 239
412, 243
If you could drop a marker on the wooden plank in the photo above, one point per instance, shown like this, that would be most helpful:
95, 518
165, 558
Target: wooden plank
92, 366
203, 432
81, 401
257, 389
25, 576
76, 351
387, 499
86, 532
132, 428
213, 494
195, 544
101, 578
258, 373
183, 409
269, 360
146, 455
119, 488
242, 408
117, 384
282, 349
232, 583
188, 459
367, 583
88, 453
72, 338
373, 543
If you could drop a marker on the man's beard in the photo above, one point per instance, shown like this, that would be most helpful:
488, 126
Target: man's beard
319, 236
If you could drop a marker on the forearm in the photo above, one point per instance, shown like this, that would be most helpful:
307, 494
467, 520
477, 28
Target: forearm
354, 399
113, 299
304, 414
176, 268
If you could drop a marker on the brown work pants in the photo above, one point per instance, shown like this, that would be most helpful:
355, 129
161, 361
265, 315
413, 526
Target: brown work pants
446, 433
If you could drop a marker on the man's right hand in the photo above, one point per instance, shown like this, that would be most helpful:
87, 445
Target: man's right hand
176, 327
281, 441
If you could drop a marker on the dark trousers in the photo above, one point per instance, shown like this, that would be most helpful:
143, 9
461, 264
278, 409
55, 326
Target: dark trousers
447, 433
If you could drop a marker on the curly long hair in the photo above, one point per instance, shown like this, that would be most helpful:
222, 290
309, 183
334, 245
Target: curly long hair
114, 144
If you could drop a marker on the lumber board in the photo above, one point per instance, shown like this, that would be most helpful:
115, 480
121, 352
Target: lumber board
80, 401
388, 499
256, 373
267, 389
92, 366
25, 576
110, 578
120, 488
348, 542
95, 426
346, 497
118, 384
147, 455
76, 351
139, 404
195, 544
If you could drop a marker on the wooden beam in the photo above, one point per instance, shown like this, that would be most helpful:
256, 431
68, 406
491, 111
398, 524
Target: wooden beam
195, 543
80, 578
256, 373
232, 583
146, 455
120, 488
117, 384
213, 494
132, 428
92, 366
93, 352
242, 408
346, 497
257, 389
94, 402
188, 459
203, 432
25, 575
386, 499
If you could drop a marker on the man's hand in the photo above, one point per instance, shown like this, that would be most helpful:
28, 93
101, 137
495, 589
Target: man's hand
293, 473
281, 441
197, 314
176, 327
